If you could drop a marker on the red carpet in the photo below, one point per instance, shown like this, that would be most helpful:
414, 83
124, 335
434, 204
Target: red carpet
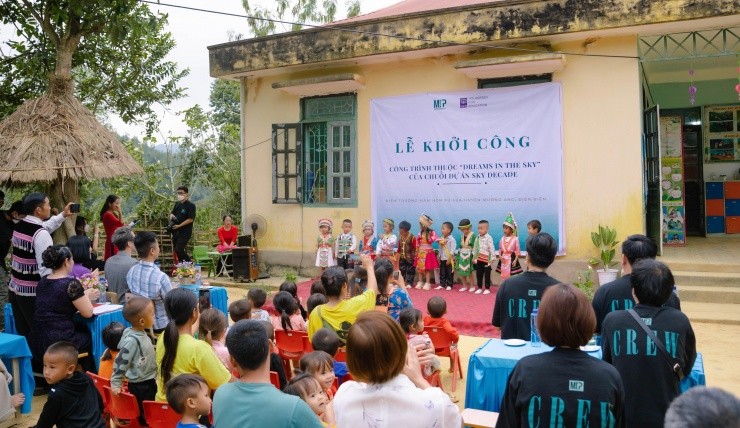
470, 313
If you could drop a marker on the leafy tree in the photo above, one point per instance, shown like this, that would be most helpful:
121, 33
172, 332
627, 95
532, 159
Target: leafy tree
300, 11
115, 50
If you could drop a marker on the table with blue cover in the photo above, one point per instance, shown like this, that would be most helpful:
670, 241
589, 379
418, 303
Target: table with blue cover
218, 297
14, 347
491, 364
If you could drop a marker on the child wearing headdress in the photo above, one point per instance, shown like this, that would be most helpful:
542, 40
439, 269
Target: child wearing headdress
406, 252
508, 249
464, 266
369, 241
388, 243
325, 245
426, 259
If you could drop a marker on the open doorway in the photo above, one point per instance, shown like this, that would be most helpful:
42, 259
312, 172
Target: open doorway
692, 134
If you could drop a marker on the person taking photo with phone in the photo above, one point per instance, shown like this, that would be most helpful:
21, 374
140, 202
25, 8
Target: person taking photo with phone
181, 221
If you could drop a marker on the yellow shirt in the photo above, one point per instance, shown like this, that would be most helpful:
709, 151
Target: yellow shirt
341, 316
193, 356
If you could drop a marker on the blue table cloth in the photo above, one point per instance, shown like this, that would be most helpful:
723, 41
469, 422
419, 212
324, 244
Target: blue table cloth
491, 364
218, 297
12, 346
96, 324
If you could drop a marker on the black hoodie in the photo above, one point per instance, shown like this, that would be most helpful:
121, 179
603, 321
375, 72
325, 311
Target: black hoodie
73, 403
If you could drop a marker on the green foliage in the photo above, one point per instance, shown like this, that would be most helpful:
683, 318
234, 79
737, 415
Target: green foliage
118, 50
290, 275
605, 241
584, 282
261, 21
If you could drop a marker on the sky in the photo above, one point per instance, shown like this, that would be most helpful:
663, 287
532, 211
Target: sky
194, 32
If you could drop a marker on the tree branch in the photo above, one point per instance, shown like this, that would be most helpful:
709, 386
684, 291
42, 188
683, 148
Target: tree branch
43, 20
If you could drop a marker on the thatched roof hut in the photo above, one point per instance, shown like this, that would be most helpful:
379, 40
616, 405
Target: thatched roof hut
55, 137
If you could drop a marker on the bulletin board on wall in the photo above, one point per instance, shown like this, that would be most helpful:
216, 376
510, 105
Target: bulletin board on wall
672, 181
722, 133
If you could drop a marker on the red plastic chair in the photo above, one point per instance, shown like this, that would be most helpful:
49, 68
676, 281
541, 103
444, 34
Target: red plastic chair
275, 379
160, 415
341, 355
444, 346
435, 380
99, 383
123, 408
307, 346
290, 347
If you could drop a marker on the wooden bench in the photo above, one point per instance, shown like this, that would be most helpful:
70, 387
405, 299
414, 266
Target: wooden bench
475, 418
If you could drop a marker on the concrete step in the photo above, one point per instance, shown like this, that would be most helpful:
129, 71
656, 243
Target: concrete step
716, 313
708, 294
703, 267
706, 279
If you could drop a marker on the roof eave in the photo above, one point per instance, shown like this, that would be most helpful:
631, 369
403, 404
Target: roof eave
476, 24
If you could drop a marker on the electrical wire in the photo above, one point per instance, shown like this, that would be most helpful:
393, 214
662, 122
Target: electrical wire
376, 34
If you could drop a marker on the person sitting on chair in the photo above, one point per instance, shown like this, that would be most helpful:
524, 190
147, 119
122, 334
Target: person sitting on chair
227, 235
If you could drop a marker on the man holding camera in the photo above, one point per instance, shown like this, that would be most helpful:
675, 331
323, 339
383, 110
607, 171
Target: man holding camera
181, 223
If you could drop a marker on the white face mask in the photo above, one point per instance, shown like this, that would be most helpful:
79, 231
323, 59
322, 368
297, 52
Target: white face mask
87, 228
180, 198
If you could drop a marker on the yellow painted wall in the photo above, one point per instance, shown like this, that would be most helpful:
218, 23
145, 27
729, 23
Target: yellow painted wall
602, 150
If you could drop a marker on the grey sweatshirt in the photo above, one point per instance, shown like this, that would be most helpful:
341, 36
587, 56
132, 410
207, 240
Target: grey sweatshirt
136, 360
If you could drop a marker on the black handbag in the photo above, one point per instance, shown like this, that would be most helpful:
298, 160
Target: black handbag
672, 362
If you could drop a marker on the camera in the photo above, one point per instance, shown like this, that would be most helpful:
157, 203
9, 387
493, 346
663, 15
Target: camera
74, 208
170, 226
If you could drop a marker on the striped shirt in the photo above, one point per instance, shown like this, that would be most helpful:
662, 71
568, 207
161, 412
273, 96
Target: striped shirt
145, 279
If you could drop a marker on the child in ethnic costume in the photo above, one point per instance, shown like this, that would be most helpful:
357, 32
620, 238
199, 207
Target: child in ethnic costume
447, 248
464, 266
325, 244
369, 241
426, 259
484, 254
388, 243
406, 252
508, 250
346, 245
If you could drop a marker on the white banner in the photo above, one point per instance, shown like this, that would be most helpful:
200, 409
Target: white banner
476, 154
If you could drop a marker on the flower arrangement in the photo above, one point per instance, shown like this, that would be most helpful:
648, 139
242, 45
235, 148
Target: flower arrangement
89, 280
184, 270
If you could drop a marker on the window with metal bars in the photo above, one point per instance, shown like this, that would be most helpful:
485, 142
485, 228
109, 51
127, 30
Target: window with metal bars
329, 172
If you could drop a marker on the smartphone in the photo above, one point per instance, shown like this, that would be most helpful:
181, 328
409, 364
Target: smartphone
75, 208
396, 274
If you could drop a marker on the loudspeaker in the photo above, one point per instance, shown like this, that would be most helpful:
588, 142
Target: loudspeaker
244, 240
246, 267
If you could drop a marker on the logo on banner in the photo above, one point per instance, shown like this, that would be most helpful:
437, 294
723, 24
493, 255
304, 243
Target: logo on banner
440, 104
463, 103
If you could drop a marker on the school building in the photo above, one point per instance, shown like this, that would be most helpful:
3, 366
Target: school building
622, 64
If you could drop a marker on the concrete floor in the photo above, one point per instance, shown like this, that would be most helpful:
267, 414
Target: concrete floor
724, 250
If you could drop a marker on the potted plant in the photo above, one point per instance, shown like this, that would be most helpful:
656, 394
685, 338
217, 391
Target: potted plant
605, 240
584, 282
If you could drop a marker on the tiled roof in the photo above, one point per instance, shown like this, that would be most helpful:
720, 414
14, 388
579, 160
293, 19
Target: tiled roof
413, 6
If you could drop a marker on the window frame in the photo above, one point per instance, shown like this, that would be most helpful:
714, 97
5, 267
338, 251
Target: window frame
331, 122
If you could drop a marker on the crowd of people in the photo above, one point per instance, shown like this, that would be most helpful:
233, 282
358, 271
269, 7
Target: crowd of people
179, 350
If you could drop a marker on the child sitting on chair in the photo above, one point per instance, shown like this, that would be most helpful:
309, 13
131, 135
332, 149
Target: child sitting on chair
436, 310
188, 395
327, 340
73, 401
111, 336
257, 298
413, 325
